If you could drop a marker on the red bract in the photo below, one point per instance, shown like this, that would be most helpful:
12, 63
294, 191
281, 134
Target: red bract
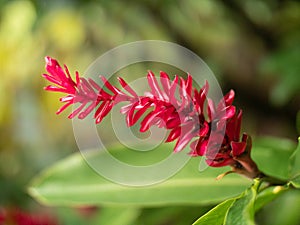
213, 130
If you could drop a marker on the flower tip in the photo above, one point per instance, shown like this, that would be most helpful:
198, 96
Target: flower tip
206, 83
150, 73
50, 62
163, 74
231, 93
229, 97
48, 59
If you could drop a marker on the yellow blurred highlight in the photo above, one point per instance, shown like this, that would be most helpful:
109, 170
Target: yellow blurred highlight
65, 29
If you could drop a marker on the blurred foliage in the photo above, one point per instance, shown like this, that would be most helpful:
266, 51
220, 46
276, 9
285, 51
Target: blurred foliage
252, 46
284, 64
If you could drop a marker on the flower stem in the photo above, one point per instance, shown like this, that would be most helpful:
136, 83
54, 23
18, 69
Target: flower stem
273, 181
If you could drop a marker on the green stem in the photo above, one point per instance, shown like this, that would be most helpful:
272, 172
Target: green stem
272, 181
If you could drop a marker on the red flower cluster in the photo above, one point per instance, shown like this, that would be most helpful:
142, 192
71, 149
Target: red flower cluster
213, 130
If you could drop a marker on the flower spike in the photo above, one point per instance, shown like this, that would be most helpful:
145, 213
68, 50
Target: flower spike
211, 130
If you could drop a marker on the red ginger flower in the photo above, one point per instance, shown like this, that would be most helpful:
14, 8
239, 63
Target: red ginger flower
213, 130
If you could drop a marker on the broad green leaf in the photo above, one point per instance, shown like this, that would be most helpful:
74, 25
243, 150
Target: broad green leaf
268, 195
295, 162
242, 210
272, 156
216, 215
73, 182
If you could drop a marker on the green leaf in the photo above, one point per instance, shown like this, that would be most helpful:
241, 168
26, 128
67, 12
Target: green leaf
242, 210
268, 195
217, 214
295, 162
73, 182
272, 156
238, 211
284, 210
296, 182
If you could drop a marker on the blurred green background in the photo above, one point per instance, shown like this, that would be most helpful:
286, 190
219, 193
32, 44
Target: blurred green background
252, 46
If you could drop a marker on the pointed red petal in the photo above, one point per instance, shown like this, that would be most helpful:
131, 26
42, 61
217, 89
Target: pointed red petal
140, 112
173, 134
148, 120
189, 85
75, 112
110, 86
165, 81
156, 91
127, 87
